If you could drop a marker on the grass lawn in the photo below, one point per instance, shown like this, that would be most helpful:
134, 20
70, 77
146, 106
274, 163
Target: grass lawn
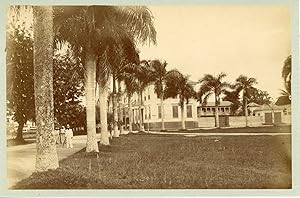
146, 161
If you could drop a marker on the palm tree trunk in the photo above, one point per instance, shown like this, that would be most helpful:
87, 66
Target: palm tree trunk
130, 113
103, 93
162, 111
140, 111
115, 115
120, 116
246, 111
182, 117
46, 155
90, 64
217, 123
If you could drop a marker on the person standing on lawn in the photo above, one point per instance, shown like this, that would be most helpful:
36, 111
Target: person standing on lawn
69, 137
62, 133
56, 135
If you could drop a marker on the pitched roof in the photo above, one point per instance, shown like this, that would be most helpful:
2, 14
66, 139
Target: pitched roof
283, 100
269, 107
253, 104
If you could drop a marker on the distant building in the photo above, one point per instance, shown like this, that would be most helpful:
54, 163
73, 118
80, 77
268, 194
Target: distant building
152, 112
274, 114
210, 108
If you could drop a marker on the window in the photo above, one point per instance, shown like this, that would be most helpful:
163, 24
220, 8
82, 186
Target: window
208, 109
175, 111
222, 109
213, 110
285, 111
258, 114
149, 112
145, 98
189, 111
204, 110
148, 97
159, 111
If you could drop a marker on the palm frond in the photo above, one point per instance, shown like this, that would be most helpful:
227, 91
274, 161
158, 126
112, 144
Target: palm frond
139, 21
221, 76
205, 99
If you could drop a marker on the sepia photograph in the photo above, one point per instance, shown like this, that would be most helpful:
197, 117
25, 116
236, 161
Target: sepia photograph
171, 96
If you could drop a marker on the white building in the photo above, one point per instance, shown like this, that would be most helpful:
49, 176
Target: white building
151, 111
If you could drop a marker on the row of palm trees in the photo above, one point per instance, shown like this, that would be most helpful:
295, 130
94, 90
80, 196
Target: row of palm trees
173, 83
103, 39
166, 84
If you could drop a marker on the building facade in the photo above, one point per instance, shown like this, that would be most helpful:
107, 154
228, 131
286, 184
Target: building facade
152, 111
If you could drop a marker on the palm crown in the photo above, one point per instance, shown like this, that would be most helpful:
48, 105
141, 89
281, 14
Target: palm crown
212, 85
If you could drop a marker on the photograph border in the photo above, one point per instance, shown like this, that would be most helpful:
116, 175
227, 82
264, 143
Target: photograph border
294, 7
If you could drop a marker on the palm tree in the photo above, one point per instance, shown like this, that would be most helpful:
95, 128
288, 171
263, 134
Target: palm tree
118, 58
96, 28
234, 97
159, 74
46, 155
103, 84
120, 108
143, 75
212, 85
245, 84
131, 84
178, 84
287, 74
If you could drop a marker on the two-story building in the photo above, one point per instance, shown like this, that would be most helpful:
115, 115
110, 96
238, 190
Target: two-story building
152, 111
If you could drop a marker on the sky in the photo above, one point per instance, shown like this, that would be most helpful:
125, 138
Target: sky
210, 39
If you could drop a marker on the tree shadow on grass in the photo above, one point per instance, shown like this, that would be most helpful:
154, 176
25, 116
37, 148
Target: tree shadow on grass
14, 142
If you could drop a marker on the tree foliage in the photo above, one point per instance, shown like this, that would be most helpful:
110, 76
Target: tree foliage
287, 77
20, 89
212, 85
68, 80
179, 84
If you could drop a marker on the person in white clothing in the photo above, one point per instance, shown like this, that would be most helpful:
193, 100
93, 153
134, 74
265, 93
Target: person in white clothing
69, 137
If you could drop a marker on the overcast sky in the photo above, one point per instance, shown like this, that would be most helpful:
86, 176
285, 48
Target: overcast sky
250, 40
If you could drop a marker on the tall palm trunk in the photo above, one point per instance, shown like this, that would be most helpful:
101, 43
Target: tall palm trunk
103, 93
120, 116
162, 111
182, 117
246, 110
217, 123
140, 111
115, 115
46, 155
130, 113
90, 63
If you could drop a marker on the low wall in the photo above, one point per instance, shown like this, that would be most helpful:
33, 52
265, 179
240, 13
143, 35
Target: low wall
286, 119
206, 122
234, 121
240, 121
171, 125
